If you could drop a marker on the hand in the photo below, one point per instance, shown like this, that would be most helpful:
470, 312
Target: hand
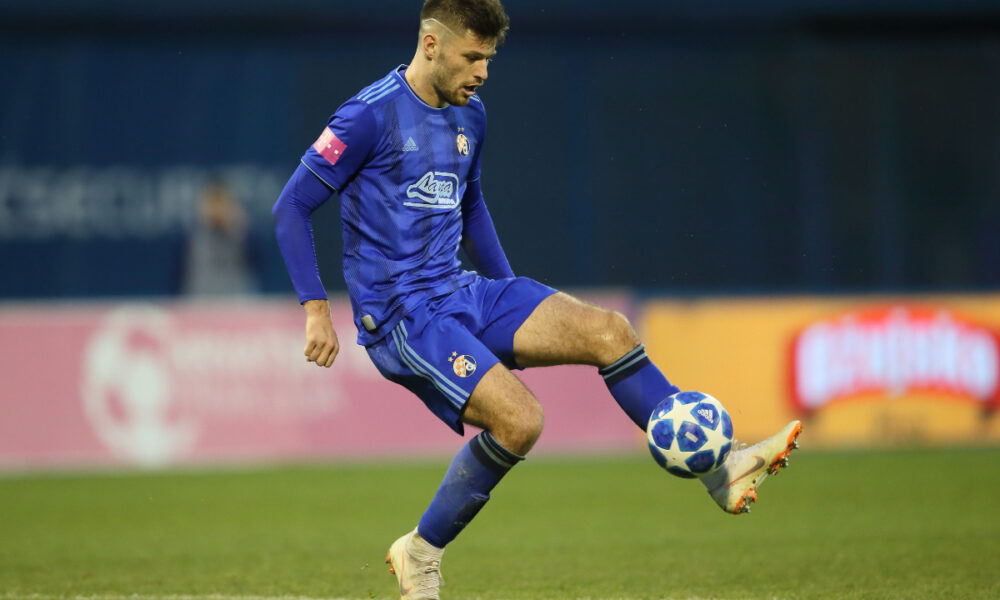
321, 340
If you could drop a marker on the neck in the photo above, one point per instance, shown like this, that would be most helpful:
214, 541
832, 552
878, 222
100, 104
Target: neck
418, 76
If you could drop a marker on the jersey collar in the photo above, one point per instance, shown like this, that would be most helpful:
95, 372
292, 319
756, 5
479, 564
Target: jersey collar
400, 74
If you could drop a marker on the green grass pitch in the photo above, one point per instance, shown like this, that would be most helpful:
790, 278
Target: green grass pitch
890, 524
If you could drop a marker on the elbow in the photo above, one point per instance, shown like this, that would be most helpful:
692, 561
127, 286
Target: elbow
278, 208
287, 207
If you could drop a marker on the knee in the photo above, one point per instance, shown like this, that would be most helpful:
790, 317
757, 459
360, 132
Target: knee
618, 337
534, 423
521, 428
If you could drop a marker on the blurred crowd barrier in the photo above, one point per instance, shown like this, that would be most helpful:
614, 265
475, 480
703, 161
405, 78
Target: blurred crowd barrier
189, 383
154, 384
859, 371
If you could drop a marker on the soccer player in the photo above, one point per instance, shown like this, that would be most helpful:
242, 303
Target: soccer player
404, 156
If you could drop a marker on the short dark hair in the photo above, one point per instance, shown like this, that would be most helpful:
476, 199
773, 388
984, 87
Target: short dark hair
485, 18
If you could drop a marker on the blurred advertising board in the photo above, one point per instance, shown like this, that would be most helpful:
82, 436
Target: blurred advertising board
176, 383
858, 371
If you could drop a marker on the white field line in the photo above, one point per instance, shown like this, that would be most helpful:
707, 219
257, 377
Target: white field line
16, 596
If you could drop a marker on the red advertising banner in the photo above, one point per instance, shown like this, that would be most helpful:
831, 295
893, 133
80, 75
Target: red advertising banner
859, 371
164, 384
895, 350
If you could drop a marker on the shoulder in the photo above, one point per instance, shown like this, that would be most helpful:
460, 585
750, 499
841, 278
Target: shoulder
381, 92
477, 110
476, 105
366, 105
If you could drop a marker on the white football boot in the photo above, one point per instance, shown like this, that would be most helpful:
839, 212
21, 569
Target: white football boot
734, 485
417, 566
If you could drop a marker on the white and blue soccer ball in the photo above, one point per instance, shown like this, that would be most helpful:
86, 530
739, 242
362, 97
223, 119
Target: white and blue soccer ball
690, 434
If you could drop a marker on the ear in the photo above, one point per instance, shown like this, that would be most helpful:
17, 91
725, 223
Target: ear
430, 44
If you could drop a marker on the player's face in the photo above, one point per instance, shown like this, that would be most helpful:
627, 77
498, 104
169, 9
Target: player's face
460, 67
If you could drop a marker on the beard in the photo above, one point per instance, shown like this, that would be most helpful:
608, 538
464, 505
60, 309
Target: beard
448, 88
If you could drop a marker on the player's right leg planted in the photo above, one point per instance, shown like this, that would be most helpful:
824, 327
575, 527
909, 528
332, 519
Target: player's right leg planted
416, 565
500, 404
415, 558
734, 485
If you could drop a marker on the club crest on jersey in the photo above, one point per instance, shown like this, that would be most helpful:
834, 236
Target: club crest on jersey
463, 365
434, 190
463, 144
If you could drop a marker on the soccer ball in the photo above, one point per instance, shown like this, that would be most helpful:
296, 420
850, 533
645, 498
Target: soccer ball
690, 434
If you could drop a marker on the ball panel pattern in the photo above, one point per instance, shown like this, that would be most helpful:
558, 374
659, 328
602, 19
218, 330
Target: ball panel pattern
690, 437
684, 473
723, 451
701, 462
662, 433
727, 425
707, 415
689, 397
689, 434
666, 405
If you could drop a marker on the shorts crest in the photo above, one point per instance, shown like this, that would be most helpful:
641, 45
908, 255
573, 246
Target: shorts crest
463, 365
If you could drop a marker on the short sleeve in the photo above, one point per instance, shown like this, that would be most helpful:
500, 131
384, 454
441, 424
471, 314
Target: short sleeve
343, 146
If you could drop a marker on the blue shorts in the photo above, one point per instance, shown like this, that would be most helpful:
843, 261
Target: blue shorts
441, 351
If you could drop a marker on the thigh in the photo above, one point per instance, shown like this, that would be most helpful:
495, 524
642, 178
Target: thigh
438, 360
566, 330
503, 306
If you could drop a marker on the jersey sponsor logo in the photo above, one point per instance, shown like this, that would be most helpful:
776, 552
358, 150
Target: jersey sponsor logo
329, 146
434, 190
463, 365
463, 144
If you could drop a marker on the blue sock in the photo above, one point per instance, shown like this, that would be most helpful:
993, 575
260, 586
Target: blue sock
476, 470
637, 384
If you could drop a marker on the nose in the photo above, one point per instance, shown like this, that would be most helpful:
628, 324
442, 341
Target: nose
481, 69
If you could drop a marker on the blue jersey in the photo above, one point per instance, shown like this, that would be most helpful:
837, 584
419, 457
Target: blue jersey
401, 168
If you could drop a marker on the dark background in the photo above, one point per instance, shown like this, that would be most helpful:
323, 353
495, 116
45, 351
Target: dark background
809, 146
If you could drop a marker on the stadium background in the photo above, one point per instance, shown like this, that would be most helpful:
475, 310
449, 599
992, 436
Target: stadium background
797, 204
819, 146
674, 157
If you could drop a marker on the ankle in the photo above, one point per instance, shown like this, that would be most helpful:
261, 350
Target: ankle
421, 548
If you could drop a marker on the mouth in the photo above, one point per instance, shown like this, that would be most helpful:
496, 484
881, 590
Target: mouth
469, 90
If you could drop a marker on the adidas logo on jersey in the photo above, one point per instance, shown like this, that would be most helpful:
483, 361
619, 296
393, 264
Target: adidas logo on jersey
410, 146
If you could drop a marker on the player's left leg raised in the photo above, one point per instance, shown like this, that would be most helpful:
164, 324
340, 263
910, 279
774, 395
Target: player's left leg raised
565, 330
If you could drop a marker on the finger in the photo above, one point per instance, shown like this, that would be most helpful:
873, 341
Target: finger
323, 357
317, 354
333, 355
310, 345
